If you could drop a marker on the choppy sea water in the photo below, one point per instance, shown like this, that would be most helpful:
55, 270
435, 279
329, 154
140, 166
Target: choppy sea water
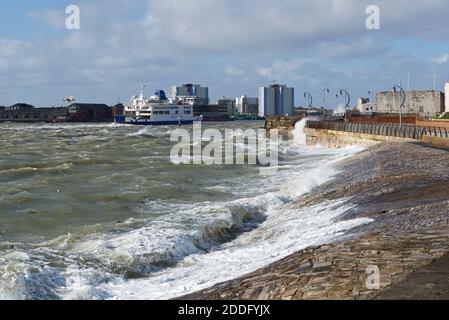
100, 212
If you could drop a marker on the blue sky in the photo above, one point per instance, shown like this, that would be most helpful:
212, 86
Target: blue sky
231, 46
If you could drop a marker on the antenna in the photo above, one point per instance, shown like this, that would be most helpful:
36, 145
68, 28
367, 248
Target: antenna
142, 86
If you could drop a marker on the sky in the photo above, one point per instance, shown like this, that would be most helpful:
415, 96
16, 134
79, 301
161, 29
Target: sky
231, 46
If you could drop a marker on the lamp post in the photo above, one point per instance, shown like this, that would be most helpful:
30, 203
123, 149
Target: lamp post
325, 91
348, 100
372, 101
404, 97
338, 101
309, 97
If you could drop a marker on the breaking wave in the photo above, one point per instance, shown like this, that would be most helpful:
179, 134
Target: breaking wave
173, 247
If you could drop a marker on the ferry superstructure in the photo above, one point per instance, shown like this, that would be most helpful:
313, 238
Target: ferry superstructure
157, 110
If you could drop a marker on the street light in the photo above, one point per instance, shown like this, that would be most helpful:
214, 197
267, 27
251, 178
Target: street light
338, 101
348, 100
372, 101
308, 96
404, 97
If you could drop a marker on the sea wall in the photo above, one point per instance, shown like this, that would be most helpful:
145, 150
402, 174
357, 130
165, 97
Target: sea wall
284, 125
340, 139
436, 141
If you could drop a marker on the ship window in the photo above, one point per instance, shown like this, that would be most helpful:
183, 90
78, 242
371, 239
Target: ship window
187, 112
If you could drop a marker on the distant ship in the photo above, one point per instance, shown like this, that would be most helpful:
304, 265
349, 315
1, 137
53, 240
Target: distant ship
155, 111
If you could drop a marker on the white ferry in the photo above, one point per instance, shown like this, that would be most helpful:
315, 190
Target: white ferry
157, 110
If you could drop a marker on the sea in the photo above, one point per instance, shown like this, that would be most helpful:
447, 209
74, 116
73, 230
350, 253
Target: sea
101, 212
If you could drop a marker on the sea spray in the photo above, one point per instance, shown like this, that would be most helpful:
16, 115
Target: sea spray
299, 135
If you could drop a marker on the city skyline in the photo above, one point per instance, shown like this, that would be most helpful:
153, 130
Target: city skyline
233, 50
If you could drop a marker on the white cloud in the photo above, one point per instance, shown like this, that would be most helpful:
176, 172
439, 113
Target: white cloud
443, 59
12, 49
282, 70
124, 42
53, 18
233, 71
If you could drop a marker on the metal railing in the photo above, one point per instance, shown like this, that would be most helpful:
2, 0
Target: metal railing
391, 130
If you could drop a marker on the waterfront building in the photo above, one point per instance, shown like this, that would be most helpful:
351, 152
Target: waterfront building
247, 106
364, 105
22, 112
191, 94
19, 107
446, 95
90, 112
423, 103
228, 104
211, 112
276, 100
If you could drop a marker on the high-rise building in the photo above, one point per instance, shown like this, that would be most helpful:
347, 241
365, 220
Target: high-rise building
446, 97
276, 100
191, 93
246, 105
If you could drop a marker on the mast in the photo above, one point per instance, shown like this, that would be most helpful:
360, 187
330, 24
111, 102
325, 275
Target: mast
142, 86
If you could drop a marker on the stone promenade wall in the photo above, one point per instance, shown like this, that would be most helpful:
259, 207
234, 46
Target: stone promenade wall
340, 139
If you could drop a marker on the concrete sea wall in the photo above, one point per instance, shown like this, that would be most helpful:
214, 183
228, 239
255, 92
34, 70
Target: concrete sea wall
340, 139
285, 125
338, 134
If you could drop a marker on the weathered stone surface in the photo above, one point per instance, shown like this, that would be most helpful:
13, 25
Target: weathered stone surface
405, 188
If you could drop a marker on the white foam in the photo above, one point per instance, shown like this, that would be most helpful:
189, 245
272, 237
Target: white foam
183, 231
286, 232
299, 136
151, 131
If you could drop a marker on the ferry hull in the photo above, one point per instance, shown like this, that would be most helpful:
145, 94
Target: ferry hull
137, 122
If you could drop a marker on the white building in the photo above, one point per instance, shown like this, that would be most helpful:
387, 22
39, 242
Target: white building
365, 106
446, 97
246, 105
191, 93
276, 100
425, 103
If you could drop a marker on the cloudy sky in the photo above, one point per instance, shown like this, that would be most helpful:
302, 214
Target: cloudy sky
232, 46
